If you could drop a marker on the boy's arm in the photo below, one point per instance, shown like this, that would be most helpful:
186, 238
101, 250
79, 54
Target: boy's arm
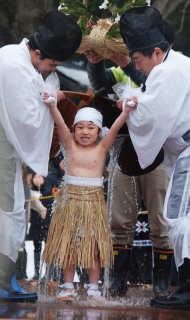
63, 130
109, 139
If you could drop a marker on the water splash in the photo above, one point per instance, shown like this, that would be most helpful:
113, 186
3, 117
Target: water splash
114, 153
52, 271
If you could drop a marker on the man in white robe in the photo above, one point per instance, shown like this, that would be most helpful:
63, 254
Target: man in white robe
127, 200
26, 128
162, 118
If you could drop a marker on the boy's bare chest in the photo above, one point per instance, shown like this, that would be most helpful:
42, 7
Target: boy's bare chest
87, 159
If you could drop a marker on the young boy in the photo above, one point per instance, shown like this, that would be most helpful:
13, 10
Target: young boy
79, 233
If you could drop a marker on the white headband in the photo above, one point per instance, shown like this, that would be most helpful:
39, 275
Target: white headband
89, 114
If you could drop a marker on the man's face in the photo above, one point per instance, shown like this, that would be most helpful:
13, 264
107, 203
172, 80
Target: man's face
146, 64
38, 180
42, 66
46, 65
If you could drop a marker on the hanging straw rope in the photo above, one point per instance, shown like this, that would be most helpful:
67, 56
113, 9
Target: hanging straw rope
41, 198
55, 192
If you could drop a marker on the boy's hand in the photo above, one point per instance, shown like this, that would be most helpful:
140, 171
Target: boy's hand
50, 104
135, 103
93, 57
127, 107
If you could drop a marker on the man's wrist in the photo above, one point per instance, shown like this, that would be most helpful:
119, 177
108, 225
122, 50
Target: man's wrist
95, 64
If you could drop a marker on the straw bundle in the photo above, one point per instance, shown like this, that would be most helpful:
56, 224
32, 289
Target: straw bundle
98, 42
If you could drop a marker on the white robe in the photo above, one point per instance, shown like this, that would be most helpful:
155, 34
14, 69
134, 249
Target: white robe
26, 128
161, 119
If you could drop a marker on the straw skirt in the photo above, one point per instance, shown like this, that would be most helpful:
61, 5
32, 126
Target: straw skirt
79, 229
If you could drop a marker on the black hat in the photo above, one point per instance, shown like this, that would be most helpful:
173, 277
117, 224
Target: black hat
142, 28
58, 36
169, 31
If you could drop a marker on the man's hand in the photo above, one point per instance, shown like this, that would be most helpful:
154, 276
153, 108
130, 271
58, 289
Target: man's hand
60, 96
120, 60
93, 57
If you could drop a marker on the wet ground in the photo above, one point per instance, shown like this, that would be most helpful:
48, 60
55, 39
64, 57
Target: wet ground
134, 306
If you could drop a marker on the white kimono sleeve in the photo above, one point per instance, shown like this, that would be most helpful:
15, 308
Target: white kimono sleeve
27, 121
157, 112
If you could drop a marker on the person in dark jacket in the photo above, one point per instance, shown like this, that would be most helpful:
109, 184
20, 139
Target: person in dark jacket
53, 180
51, 186
37, 232
39, 227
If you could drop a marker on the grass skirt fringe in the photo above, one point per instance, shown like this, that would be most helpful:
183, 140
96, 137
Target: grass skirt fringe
79, 229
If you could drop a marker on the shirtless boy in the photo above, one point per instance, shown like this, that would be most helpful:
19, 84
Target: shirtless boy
79, 232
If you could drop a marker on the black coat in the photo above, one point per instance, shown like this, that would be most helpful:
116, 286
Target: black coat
100, 77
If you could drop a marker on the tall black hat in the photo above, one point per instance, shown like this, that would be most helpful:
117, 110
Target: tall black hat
58, 36
141, 28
